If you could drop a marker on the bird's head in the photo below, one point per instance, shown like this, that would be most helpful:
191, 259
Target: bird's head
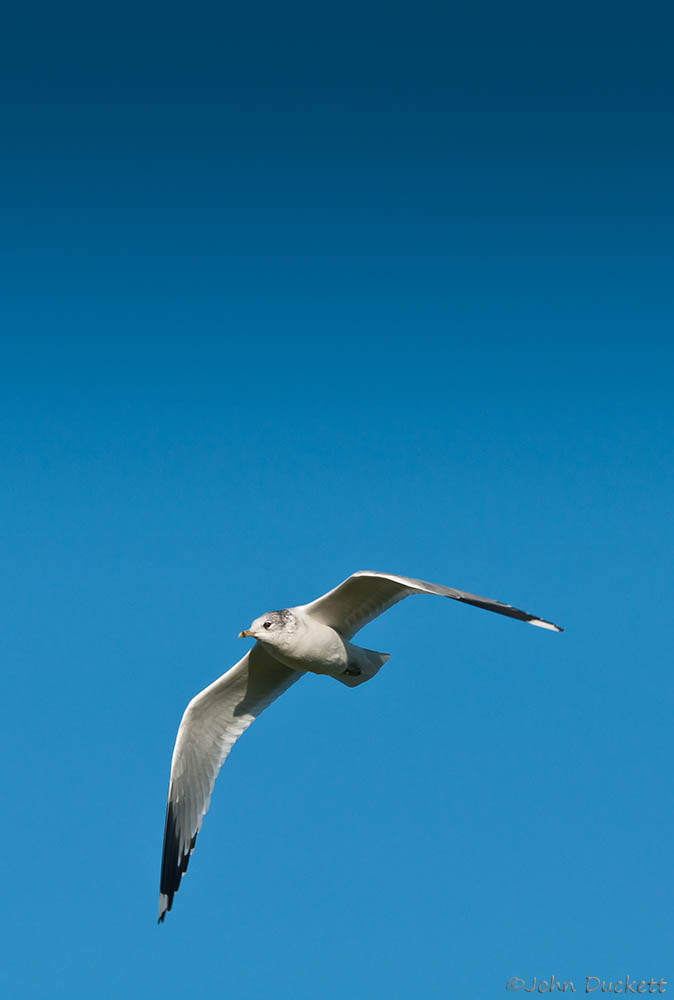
273, 627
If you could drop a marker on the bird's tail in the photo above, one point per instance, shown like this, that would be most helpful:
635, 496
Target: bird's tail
363, 665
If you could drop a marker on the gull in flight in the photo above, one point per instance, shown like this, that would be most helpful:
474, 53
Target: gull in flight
312, 637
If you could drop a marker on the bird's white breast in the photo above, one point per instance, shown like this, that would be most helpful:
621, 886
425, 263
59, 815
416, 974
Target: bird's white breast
313, 647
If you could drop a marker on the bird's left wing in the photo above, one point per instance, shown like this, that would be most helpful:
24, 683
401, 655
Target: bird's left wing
212, 723
366, 594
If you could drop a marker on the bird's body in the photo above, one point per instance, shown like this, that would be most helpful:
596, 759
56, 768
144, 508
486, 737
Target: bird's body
304, 644
310, 638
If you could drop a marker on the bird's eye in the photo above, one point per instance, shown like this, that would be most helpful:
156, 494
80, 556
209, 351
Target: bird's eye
266, 625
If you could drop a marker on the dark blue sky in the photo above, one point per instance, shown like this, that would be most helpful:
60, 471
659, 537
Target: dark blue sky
286, 295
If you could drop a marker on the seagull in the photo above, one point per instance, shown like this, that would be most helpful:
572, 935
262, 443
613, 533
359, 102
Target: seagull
310, 638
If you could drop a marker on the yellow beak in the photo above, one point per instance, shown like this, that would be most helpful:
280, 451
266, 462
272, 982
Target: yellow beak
244, 634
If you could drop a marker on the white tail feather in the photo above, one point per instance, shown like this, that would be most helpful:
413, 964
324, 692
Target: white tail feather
367, 661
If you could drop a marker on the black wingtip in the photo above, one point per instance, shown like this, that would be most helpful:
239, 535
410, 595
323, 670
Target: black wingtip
173, 866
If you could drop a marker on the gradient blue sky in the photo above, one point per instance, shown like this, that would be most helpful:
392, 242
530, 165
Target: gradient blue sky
285, 295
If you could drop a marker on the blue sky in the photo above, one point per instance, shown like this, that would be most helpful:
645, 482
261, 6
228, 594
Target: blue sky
282, 299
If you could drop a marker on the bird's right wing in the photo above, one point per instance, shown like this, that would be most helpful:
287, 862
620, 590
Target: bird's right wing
212, 723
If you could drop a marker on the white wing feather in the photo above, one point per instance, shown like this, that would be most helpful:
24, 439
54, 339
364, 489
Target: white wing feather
367, 594
211, 724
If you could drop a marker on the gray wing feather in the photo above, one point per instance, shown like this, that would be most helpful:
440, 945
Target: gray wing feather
211, 724
367, 594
